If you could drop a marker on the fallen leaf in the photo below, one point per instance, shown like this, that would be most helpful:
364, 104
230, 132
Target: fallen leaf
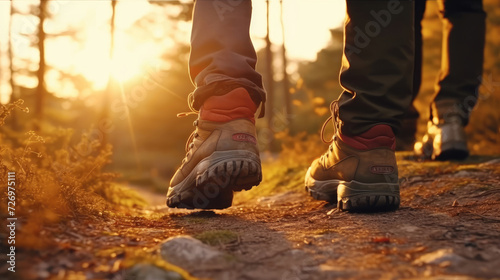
381, 239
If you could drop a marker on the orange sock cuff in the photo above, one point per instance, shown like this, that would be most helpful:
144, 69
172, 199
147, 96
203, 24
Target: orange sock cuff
236, 104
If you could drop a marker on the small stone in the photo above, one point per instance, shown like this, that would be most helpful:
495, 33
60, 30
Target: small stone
445, 264
491, 162
331, 212
439, 257
455, 203
464, 173
409, 228
190, 253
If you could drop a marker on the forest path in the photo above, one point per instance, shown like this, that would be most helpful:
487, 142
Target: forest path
448, 227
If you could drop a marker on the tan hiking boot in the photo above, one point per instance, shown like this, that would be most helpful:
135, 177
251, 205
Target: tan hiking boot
222, 157
445, 140
359, 173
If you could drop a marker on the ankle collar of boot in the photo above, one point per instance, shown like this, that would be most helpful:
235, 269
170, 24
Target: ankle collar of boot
448, 110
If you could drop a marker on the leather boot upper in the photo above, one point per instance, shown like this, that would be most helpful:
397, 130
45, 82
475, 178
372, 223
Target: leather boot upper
210, 136
345, 163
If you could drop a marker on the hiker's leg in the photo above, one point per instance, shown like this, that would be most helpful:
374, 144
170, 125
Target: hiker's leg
459, 80
222, 55
406, 135
462, 58
359, 169
378, 64
222, 155
417, 74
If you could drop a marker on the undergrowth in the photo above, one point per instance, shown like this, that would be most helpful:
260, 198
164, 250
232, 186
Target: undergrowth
56, 180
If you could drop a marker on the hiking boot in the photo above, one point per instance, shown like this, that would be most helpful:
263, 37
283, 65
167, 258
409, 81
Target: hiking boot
445, 140
359, 173
222, 156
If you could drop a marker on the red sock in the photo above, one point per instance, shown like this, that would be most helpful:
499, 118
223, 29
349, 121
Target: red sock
378, 136
235, 104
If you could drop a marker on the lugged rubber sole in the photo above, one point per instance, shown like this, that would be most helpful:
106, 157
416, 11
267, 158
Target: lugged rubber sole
321, 190
355, 196
211, 184
362, 197
453, 150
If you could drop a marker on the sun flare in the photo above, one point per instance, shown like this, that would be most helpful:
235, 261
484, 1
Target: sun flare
87, 54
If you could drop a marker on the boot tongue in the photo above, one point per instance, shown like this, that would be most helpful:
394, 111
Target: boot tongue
376, 137
236, 104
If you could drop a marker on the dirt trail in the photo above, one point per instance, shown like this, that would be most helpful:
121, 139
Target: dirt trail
448, 227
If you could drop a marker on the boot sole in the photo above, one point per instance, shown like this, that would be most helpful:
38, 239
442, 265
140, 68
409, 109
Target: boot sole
355, 196
321, 190
453, 150
211, 183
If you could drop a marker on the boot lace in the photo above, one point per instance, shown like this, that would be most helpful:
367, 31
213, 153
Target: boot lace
190, 105
194, 134
334, 108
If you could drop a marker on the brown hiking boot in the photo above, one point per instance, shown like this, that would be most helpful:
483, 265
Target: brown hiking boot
222, 155
359, 173
222, 158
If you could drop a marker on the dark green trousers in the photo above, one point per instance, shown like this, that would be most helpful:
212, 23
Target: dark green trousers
378, 64
377, 70
464, 31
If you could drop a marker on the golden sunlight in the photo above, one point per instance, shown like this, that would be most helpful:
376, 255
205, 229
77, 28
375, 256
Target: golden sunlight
87, 53
304, 22
307, 24
129, 55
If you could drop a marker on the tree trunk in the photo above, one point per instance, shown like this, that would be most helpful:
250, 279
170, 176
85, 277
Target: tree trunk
269, 76
15, 90
106, 97
286, 82
40, 90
